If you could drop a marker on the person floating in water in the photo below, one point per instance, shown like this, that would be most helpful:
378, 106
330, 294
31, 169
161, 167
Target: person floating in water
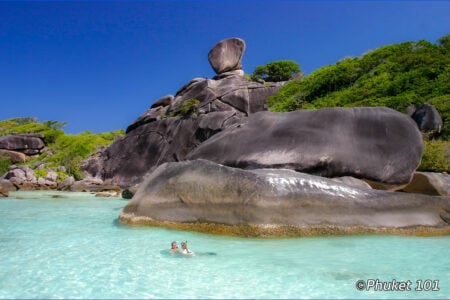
185, 250
174, 248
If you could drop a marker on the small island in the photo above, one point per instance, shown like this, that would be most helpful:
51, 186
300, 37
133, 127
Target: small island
271, 154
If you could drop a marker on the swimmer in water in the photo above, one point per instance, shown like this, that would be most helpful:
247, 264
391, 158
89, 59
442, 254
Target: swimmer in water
185, 250
174, 248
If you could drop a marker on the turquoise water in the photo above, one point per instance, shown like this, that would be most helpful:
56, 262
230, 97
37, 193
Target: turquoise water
73, 247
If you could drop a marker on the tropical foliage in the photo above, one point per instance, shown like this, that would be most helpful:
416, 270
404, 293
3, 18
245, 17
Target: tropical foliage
66, 150
395, 76
280, 70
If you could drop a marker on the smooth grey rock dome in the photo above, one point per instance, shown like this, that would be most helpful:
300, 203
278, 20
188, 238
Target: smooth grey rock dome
428, 118
375, 143
201, 191
227, 55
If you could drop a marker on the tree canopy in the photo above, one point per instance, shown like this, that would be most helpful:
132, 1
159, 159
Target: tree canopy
280, 70
394, 76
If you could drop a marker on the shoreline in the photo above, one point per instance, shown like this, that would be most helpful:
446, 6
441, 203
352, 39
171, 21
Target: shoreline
283, 231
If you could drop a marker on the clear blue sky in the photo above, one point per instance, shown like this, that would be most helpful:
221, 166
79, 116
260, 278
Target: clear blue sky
99, 65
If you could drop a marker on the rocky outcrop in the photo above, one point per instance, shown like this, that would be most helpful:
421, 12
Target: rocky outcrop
22, 176
14, 156
202, 195
429, 183
91, 184
223, 120
428, 119
374, 143
29, 144
166, 133
227, 55
5, 187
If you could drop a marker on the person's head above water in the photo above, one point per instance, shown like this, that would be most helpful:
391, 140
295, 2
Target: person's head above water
184, 245
174, 245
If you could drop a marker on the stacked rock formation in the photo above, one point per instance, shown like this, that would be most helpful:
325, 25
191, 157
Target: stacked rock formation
196, 194
216, 161
18, 147
223, 120
176, 125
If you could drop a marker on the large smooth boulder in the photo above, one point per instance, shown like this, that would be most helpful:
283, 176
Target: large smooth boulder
30, 144
428, 118
429, 183
227, 55
202, 195
375, 143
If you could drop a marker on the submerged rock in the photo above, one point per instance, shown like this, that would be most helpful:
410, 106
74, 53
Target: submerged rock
374, 143
204, 194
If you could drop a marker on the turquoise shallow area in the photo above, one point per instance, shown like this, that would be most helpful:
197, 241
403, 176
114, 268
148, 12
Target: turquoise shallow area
73, 247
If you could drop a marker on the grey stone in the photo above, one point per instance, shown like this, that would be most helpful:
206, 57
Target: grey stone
429, 183
29, 144
200, 191
164, 101
373, 143
51, 176
66, 184
41, 181
227, 55
16, 173
5, 187
428, 118
355, 182
61, 169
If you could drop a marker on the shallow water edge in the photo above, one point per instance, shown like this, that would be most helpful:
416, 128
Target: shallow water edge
280, 231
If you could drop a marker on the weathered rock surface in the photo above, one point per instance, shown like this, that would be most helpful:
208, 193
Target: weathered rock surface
429, 183
14, 156
428, 118
355, 182
30, 144
66, 184
227, 55
91, 184
374, 143
200, 192
22, 176
155, 138
5, 187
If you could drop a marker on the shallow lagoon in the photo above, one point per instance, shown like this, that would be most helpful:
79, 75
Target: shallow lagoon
73, 247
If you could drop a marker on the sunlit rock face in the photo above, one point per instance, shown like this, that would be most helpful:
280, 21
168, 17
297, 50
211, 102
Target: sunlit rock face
201, 192
374, 143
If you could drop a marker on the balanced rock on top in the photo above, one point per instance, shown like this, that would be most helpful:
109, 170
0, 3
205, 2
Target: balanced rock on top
226, 55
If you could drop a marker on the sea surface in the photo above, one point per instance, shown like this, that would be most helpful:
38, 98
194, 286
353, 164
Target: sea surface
74, 247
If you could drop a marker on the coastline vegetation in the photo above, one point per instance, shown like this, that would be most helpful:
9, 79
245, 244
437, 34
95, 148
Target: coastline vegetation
65, 150
395, 76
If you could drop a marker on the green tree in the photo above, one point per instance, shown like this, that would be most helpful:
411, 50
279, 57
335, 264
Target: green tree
444, 41
280, 70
